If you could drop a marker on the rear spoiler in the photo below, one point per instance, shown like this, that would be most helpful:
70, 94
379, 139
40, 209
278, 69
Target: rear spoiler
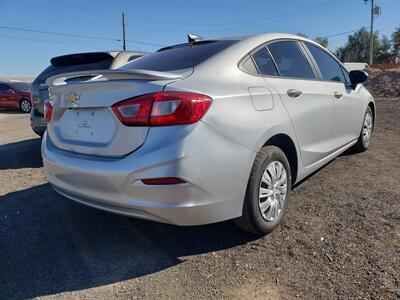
115, 74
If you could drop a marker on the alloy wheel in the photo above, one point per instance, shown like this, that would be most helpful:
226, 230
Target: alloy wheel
25, 106
272, 191
367, 129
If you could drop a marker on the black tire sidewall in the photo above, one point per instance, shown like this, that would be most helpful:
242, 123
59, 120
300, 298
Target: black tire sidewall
270, 154
369, 110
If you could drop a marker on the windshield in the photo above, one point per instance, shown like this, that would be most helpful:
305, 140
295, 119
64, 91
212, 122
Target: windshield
74, 63
180, 56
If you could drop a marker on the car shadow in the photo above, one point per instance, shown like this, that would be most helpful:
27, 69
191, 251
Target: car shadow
11, 112
23, 154
50, 244
348, 152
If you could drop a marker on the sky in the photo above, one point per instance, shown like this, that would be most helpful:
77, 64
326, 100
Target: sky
95, 25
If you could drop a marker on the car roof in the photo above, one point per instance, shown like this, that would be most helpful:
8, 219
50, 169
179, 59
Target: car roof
254, 40
264, 37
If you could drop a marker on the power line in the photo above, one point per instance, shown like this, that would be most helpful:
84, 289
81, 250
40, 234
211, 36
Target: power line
145, 43
76, 36
342, 33
58, 33
48, 41
262, 20
265, 21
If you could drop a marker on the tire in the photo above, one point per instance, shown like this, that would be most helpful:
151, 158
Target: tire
253, 219
363, 143
25, 105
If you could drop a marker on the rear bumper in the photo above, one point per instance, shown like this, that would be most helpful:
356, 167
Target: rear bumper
216, 177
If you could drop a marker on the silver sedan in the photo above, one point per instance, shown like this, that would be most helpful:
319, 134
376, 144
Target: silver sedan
204, 131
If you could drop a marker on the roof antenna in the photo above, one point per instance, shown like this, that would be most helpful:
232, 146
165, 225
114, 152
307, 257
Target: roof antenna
194, 37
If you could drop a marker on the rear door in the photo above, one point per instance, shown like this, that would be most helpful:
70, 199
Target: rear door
347, 103
307, 100
8, 97
3, 95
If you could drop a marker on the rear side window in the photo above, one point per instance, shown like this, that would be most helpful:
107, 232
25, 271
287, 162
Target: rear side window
265, 63
249, 66
328, 66
74, 63
179, 56
290, 60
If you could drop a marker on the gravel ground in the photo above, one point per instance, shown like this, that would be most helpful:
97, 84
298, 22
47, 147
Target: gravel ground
339, 240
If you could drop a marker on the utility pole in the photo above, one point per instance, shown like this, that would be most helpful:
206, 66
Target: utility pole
123, 32
375, 11
371, 36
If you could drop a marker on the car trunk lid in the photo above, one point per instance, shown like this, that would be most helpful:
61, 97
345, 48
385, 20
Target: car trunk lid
83, 121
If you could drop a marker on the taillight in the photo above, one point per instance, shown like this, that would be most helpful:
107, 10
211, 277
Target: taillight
163, 108
134, 111
48, 111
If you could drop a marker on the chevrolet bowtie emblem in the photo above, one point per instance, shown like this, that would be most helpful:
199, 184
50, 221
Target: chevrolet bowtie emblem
73, 97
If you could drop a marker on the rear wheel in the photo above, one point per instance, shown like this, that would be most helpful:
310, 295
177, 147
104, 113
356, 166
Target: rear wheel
267, 193
25, 105
366, 132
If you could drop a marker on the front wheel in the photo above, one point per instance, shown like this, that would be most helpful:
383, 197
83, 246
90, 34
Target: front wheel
366, 132
267, 193
25, 105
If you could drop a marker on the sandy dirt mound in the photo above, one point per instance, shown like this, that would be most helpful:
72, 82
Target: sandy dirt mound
384, 84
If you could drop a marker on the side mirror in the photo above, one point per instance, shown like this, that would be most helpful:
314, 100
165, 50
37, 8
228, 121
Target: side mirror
356, 77
10, 91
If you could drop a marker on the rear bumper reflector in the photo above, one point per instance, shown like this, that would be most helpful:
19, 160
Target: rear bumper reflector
163, 181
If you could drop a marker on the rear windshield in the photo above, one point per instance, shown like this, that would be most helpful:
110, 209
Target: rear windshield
22, 86
72, 63
180, 56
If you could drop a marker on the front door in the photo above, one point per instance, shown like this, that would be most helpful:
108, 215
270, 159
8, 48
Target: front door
347, 104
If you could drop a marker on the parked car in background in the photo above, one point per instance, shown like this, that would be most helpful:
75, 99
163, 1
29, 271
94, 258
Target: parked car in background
205, 131
356, 66
71, 63
15, 95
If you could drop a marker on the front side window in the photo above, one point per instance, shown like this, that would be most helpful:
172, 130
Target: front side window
4, 87
328, 66
265, 63
290, 60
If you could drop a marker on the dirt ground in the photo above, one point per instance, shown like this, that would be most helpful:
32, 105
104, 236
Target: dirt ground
339, 240
384, 84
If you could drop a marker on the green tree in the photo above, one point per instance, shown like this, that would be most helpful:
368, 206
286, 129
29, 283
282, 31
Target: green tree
396, 42
356, 48
302, 34
384, 53
323, 41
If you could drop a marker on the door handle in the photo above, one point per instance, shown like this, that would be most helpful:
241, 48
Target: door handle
338, 95
294, 93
